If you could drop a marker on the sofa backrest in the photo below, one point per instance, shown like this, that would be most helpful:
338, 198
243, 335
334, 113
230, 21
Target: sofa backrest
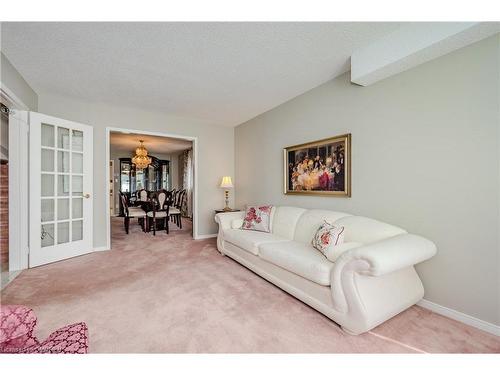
285, 219
365, 230
299, 224
310, 221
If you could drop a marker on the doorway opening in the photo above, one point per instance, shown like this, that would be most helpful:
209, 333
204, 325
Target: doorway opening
151, 189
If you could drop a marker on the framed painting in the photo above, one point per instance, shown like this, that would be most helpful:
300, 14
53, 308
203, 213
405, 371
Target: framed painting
319, 168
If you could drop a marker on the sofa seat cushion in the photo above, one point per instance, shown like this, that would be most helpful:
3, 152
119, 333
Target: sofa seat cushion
299, 258
250, 240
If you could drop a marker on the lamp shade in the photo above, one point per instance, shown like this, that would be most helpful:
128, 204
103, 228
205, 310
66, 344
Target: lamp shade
226, 182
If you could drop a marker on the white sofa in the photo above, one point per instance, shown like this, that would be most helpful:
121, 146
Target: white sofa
364, 287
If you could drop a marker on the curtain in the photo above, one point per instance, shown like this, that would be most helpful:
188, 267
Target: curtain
187, 183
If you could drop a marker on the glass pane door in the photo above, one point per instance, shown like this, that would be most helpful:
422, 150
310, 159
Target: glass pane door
60, 199
62, 185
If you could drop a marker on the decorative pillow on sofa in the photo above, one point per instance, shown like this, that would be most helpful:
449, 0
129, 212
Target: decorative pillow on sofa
257, 218
327, 237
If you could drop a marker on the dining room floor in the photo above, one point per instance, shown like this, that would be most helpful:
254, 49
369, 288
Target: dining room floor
136, 233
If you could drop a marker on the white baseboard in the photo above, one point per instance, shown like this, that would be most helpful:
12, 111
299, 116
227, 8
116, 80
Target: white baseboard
461, 317
204, 236
101, 248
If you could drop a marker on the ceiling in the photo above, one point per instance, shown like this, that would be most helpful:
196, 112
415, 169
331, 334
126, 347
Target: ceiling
222, 73
127, 143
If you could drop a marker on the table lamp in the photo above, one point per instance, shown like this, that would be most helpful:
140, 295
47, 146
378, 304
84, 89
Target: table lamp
226, 184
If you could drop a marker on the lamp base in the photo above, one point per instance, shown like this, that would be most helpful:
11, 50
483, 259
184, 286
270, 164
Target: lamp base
227, 208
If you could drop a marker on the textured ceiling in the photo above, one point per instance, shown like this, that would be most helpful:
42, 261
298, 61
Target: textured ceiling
223, 73
127, 143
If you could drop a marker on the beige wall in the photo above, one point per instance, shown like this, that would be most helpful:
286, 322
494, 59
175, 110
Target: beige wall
215, 150
11, 78
425, 156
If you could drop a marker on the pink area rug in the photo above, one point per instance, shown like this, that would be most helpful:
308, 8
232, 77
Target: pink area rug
171, 294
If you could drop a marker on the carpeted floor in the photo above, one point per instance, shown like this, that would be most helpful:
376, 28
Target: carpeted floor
171, 294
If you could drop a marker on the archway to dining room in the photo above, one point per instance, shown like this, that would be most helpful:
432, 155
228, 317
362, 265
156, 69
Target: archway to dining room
151, 187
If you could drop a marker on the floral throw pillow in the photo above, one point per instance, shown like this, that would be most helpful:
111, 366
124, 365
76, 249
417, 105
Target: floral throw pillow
327, 237
257, 218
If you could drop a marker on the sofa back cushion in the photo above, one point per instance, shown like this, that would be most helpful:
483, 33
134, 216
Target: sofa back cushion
365, 230
284, 220
311, 220
299, 224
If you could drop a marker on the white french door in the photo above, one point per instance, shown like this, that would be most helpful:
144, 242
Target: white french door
60, 189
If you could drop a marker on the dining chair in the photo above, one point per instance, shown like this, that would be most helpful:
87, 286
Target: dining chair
131, 212
175, 193
159, 210
175, 211
142, 195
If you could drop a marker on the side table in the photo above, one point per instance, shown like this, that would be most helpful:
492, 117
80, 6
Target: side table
219, 211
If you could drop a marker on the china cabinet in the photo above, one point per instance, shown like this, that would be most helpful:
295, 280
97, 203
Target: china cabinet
153, 178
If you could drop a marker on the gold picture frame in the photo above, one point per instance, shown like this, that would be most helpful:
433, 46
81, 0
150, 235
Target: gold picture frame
321, 167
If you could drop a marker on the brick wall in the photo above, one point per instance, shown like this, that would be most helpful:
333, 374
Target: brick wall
4, 217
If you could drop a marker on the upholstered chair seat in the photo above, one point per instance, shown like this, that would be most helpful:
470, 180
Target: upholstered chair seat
136, 212
159, 214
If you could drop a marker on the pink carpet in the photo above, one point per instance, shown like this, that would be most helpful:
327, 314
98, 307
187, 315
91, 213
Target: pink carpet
170, 294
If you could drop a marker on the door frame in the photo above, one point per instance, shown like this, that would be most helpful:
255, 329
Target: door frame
112, 188
158, 134
18, 181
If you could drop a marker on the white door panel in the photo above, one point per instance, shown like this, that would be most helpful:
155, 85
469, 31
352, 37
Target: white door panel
60, 189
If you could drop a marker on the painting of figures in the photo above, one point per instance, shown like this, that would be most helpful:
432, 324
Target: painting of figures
321, 167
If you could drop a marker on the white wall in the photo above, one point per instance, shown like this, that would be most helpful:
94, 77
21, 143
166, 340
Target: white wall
425, 156
11, 79
215, 150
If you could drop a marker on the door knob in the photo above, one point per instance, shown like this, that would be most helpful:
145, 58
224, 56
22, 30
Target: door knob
86, 195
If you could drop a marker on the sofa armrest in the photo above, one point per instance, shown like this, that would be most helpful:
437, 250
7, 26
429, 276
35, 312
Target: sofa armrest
224, 219
390, 255
376, 259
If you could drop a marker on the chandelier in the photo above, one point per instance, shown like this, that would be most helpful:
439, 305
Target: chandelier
141, 158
